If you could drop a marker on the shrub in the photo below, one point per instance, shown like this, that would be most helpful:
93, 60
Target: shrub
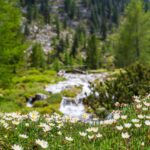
134, 81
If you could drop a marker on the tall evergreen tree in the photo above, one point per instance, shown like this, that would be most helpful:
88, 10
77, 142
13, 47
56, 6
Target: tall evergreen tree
37, 57
133, 35
11, 39
93, 54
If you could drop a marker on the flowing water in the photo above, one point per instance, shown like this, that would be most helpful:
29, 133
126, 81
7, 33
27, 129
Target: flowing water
75, 108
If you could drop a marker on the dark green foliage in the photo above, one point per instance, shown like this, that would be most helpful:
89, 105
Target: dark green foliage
93, 54
45, 11
57, 23
134, 81
133, 39
37, 57
11, 41
75, 45
70, 8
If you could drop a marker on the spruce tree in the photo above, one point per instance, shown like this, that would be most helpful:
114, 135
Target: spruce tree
37, 56
93, 54
132, 42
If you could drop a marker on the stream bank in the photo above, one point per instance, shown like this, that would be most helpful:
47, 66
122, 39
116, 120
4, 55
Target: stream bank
73, 107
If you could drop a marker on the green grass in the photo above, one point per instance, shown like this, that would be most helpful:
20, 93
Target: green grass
72, 92
58, 131
8, 106
26, 84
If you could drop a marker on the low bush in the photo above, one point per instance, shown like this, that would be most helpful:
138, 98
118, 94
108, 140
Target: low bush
135, 80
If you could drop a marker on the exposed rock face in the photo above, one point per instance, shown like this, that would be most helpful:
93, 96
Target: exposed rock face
42, 35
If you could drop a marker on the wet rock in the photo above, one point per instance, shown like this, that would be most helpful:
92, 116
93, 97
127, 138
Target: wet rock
37, 97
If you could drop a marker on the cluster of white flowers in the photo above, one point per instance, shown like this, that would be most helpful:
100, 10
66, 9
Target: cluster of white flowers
91, 133
141, 107
34, 116
45, 127
70, 139
42, 143
125, 135
16, 147
122, 123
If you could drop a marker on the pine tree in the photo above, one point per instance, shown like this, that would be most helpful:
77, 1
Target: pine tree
93, 54
57, 23
37, 57
133, 35
11, 40
75, 45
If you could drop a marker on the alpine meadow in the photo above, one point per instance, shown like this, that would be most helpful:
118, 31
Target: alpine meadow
75, 74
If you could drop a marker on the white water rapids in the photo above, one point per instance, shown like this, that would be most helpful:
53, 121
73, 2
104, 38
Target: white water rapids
74, 108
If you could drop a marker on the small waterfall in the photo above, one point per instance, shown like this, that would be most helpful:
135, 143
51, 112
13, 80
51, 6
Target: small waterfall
29, 103
71, 108
74, 107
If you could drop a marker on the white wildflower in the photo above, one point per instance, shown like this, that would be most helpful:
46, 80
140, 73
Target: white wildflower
146, 104
95, 129
142, 144
136, 99
91, 137
42, 143
138, 106
27, 124
119, 128
98, 135
70, 139
59, 133
23, 136
125, 135
135, 120
147, 117
89, 130
138, 125
83, 133
124, 117
127, 125
116, 116
141, 116
147, 122
15, 122
34, 116
16, 147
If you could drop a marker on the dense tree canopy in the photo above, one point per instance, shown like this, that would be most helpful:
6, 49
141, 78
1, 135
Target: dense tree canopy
11, 48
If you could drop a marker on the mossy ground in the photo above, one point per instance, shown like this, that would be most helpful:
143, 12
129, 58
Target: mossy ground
72, 92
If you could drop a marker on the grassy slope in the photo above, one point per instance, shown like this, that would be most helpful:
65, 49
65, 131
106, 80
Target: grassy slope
26, 84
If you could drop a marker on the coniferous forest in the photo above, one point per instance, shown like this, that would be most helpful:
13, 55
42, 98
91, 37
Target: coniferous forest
75, 74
